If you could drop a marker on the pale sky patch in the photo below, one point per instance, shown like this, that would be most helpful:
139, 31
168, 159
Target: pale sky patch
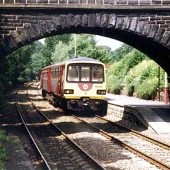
104, 41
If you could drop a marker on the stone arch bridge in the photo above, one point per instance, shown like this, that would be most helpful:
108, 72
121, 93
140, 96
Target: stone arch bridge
143, 24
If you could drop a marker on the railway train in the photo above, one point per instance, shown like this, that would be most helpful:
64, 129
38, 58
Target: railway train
75, 84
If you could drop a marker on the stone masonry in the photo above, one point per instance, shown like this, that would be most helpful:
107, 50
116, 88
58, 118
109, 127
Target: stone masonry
143, 24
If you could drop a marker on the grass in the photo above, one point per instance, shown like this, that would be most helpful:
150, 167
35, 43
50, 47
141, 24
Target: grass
3, 140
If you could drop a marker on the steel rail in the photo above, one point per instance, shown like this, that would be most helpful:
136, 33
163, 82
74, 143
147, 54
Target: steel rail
128, 147
83, 152
32, 139
159, 143
152, 160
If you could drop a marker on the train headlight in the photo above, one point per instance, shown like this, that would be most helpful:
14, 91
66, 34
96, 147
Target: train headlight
101, 92
68, 91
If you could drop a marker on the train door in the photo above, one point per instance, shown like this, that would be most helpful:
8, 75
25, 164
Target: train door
41, 79
49, 87
60, 80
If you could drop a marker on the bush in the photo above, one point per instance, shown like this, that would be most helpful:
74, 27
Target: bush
114, 79
1, 92
118, 71
114, 86
3, 139
143, 75
147, 90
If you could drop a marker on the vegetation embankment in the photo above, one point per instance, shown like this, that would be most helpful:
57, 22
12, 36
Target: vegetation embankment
3, 139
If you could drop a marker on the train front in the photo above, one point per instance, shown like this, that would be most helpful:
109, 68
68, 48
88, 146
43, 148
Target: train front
85, 86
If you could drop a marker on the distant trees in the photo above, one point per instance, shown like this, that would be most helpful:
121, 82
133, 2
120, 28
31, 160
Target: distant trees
130, 69
82, 45
25, 64
14, 67
52, 44
119, 53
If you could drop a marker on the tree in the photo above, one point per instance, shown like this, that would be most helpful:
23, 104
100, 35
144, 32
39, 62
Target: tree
85, 46
118, 71
50, 45
15, 64
36, 63
144, 79
120, 52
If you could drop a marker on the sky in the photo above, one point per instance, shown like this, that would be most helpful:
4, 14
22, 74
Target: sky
112, 43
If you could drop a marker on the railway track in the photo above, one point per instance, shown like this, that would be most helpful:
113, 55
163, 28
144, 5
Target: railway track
156, 152
50, 142
119, 135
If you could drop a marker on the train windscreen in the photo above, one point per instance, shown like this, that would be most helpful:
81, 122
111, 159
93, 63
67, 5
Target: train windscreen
85, 73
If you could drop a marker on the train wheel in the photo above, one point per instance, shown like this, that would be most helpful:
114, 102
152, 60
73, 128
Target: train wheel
56, 101
44, 94
104, 108
63, 104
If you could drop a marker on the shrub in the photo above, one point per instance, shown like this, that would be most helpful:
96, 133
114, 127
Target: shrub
147, 89
144, 78
3, 139
1, 92
114, 78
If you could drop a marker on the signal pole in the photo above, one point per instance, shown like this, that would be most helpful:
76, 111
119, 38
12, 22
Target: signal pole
166, 95
75, 45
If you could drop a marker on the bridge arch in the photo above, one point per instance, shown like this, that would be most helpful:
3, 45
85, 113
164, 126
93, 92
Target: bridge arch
149, 32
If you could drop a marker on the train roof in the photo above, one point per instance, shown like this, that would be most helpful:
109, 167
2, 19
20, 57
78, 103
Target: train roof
73, 60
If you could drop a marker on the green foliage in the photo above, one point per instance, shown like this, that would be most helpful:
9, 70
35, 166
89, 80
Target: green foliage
131, 69
81, 45
118, 71
2, 89
144, 76
21, 66
147, 89
137, 75
3, 140
25, 64
102, 53
14, 65
50, 45
60, 53
120, 52
113, 84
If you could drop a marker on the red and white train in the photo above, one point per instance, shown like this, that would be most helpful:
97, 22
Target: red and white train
75, 84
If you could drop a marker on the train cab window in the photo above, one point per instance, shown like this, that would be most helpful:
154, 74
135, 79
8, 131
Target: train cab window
97, 73
85, 73
73, 73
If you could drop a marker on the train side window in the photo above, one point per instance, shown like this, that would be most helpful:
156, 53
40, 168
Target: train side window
52, 74
45, 75
55, 73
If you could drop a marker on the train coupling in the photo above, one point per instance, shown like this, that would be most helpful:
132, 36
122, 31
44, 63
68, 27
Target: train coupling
78, 104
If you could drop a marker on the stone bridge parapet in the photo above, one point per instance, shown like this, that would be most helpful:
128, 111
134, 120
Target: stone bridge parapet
112, 2
85, 3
